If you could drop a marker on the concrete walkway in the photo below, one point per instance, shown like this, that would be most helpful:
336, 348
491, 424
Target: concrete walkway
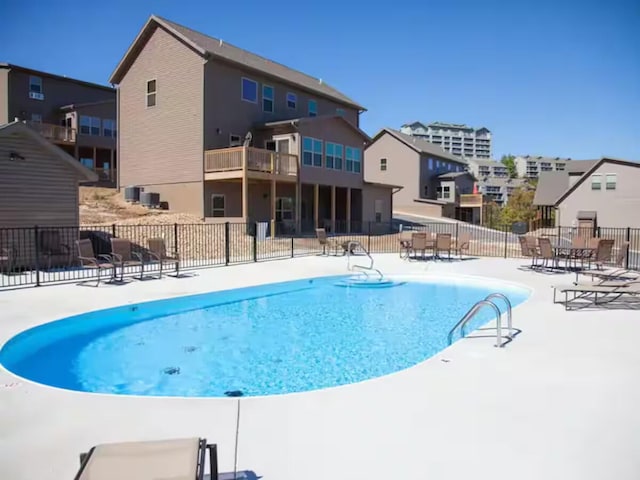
558, 403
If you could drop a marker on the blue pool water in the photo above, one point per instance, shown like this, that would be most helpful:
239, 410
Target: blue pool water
273, 339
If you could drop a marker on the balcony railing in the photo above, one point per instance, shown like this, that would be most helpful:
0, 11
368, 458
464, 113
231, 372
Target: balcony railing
106, 175
257, 160
471, 200
54, 133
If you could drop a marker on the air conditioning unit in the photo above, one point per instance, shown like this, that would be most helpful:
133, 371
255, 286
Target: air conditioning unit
36, 95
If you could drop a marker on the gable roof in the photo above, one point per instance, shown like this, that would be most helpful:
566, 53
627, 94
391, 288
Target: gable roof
419, 145
296, 121
448, 175
40, 73
588, 173
551, 185
82, 172
208, 47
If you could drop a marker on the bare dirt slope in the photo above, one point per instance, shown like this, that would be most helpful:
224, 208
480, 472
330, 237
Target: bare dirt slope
100, 206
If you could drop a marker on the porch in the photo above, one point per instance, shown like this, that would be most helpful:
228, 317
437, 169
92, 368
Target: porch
250, 162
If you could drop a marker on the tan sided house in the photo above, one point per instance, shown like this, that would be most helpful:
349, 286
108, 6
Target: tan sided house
75, 115
231, 136
435, 183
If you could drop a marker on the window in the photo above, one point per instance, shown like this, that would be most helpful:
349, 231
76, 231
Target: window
284, 209
235, 140
313, 108
337, 155
249, 90
292, 101
85, 125
109, 128
217, 205
333, 156
87, 162
35, 84
36, 117
378, 204
152, 89
340, 111
431, 164
596, 182
270, 145
95, 126
353, 160
444, 192
328, 156
267, 99
611, 180
311, 152
383, 164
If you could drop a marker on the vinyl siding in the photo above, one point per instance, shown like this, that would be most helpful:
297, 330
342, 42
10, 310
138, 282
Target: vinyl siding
40, 190
4, 96
371, 193
163, 144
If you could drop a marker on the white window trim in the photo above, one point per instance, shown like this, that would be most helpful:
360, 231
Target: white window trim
383, 163
32, 83
273, 98
147, 93
242, 79
597, 176
615, 181
231, 142
224, 201
295, 101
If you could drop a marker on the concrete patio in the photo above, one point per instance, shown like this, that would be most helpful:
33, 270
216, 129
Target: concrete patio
558, 403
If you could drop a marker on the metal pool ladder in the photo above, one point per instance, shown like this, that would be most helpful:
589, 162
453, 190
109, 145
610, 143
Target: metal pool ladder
488, 302
366, 270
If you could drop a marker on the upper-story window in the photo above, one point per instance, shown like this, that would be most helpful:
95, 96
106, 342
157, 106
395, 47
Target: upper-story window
353, 160
313, 108
311, 152
383, 164
431, 164
596, 182
611, 179
333, 156
292, 101
249, 90
36, 118
35, 88
340, 112
267, 99
108, 128
89, 125
152, 90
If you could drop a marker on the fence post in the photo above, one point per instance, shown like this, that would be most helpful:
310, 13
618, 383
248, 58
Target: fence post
37, 250
113, 230
369, 237
226, 243
506, 237
456, 235
175, 238
626, 261
292, 251
254, 242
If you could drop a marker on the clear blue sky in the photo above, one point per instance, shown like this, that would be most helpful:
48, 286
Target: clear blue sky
558, 78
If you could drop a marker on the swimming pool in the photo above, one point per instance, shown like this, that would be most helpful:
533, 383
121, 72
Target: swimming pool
272, 339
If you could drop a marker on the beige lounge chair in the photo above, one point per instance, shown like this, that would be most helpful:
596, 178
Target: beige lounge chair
443, 244
99, 263
158, 253
462, 244
588, 294
123, 256
616, 270
176, 459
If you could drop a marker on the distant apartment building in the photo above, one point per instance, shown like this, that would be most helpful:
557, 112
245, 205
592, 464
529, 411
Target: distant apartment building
77, 116
493, 180
487, 168
458, 139
530, 166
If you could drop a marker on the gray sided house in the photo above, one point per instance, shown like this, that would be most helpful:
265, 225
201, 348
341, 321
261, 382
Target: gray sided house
231, 136
591, 192
75, 115
435, 183
38, 186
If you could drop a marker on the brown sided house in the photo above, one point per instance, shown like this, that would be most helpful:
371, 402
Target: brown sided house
231, 136
75, 115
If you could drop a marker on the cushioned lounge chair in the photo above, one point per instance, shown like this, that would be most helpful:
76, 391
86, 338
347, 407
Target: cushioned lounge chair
176, 459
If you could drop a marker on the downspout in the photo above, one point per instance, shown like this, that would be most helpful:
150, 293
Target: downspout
117, 137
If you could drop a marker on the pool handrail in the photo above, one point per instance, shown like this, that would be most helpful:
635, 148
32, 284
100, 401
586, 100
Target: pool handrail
471, 313
363, 268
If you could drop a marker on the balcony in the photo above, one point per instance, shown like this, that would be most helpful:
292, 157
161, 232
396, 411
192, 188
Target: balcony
470, 200
55, 133
228, 163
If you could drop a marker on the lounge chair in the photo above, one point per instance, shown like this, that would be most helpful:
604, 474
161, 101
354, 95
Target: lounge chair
177, 459
443, 244
608, 291
99, 263
158, 253
329, 244
617, 270
462, 244
123, 256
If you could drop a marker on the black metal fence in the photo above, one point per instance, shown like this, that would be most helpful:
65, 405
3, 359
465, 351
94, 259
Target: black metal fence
43, 255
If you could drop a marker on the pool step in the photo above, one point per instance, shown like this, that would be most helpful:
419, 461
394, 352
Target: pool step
358, 282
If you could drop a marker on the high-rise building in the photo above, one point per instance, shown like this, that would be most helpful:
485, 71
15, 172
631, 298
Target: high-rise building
457, 139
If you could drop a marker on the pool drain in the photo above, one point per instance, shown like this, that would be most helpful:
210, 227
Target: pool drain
190, 349
233, 393
172, 370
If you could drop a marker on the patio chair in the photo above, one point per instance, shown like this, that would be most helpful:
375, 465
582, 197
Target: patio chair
418, 244
443, 244
329, 244
529, 249
547, 254
405, 243
151, 460
123, 256
158, 253
53, 249
99, 263
462, 243
603, 255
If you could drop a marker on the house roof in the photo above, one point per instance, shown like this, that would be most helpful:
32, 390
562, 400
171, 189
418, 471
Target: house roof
385, 185
579, 166
19, 128
40, 73
453, 175
419, 145
588, 173
296, 121
486, 162
212, 47
540, 158
74, 106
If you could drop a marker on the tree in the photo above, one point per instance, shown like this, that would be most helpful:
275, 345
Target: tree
509, 162
520, 207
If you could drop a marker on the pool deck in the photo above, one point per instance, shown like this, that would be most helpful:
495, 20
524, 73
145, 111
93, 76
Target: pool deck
562, 401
